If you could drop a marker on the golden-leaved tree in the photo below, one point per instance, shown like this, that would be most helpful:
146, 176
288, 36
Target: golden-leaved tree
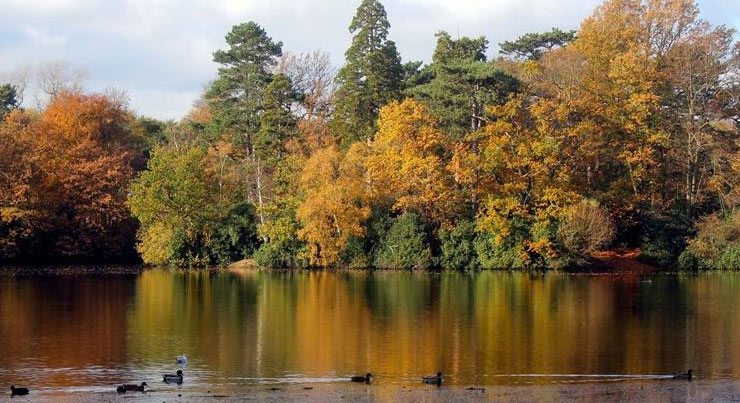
405, 165
334, 210
523, 181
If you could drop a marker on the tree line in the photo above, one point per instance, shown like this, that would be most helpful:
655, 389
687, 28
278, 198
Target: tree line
620, 134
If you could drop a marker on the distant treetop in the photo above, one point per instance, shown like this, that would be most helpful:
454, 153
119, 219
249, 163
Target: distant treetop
532, 46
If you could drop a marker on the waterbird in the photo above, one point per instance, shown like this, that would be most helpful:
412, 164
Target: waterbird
173, 378
132, 388
18, 391
368, 378
687, 375
433, 380
182, 359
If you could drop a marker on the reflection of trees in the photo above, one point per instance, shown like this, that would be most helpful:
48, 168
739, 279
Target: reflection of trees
209, 316
395, 324
63, 322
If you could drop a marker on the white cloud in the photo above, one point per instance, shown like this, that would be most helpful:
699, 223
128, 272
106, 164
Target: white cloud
43, 38
163, 105
165, 46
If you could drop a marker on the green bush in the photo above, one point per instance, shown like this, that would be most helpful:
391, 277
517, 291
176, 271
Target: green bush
405, 245
688, 261
730, 258
499, 257
281, 255
235, 236
354, 255
457, 246
663, 238
716, 244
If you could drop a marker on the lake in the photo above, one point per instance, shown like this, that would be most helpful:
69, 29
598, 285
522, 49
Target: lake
78, 333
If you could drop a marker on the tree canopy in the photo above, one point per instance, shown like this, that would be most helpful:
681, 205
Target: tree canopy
622, 134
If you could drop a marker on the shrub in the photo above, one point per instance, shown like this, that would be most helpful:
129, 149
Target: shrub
235, 236
282, 254
688, 261
458, 247
663, 238
405, 245
716, 244
508, 255
354, 255
585, 229
730, 258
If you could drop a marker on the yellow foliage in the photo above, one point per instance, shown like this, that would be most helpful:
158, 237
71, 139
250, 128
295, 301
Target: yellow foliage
334, 210
404, 163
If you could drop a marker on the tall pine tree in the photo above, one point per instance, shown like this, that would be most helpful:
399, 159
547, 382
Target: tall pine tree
464, 84
246, 97
237, 96
370, 78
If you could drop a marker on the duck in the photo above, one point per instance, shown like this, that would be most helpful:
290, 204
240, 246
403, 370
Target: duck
688, 375
181, 359
173, 378
368, 378
18, 391
132, 388
433, 380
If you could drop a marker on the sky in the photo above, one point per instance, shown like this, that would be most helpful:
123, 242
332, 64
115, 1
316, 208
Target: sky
160, 51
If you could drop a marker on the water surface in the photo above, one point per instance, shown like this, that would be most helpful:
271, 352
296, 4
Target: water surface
88, 332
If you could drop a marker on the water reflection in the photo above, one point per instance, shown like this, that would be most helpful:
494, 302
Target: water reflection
258, 326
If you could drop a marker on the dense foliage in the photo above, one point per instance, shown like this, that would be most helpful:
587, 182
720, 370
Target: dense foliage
622, 134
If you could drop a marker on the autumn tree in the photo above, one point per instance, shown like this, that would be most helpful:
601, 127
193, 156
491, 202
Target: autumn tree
20, 207
86, 148
405, 164
334, 210
523, 182
699, 113
66, 180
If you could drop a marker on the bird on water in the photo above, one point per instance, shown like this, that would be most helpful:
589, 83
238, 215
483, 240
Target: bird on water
433, 380
688, 375
182, 359
368, 378
173, 378
18, 391
132, 388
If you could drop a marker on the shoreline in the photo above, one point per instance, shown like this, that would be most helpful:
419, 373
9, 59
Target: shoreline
602, 391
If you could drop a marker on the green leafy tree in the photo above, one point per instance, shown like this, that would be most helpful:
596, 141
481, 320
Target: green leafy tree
185, 218
371, 77
246, 95
281, 247
277, 122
